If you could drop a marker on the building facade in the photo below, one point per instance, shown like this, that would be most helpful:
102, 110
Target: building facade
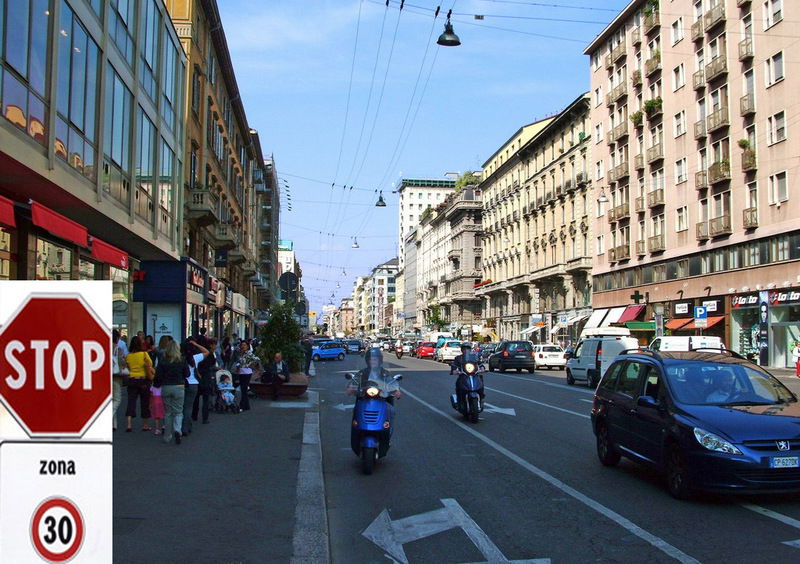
416, 196
91, 143
692, 104
380, 290
410, 305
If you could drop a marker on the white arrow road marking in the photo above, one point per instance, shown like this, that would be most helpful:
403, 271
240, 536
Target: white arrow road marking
785, 519
540, 403
610, 514
392, 535
343, 406
503, 410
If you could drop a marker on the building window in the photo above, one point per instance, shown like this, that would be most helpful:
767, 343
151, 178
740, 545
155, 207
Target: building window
170, 80
776, 128
678, 77
677, 30
121, 20
117, 120
601, 246
196, 91
778, 188
779, 249
148, 47
680, 171
774, 69
752, 195
145, 166
679, 121
773, 12
53, 262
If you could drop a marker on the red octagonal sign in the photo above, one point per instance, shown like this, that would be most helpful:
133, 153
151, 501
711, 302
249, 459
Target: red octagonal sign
55, 367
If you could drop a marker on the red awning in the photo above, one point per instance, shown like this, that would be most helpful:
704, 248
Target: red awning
7, 212
108, 253
59, 225
710, 322
631, 313
675, 324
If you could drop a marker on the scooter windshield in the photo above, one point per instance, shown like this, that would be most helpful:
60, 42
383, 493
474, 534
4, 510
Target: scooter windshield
385, 387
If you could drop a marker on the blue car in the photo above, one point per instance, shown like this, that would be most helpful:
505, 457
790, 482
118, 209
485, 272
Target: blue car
709, 421
328, 351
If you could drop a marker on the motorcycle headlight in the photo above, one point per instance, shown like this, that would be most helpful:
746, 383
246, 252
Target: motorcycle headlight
713, 442
470, 368
373, 392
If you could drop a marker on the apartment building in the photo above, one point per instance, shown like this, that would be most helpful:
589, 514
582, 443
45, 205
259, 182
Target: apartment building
692, 105
380, 291
410, 305
91, 146
416, 196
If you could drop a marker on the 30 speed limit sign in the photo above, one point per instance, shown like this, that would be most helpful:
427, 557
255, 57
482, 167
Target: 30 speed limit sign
57, 530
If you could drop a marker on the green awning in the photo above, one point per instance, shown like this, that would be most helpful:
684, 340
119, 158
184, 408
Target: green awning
641, 325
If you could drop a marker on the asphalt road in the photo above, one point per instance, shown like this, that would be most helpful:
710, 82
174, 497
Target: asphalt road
521, 486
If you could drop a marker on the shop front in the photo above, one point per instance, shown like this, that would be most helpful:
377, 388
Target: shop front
568, 325
765, 325
173, 297
240, 308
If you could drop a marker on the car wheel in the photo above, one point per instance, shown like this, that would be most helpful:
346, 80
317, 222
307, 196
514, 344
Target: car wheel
677, 479
315, 358
570, 378
519, 370
591, 379
605, 450
341, 356
501, 368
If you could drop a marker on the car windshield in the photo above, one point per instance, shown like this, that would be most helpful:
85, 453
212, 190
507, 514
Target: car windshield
725, 384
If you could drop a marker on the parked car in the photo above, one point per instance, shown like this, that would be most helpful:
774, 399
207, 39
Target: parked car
513, 354
593, 356
426, 349
353, 346
486, 349
448, 351
686, 343
329, 350
549, 356
709, 421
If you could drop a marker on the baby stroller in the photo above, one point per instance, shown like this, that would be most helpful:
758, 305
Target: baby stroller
223, 402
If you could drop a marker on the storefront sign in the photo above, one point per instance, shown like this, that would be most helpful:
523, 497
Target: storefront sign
213, 288
221, 258
714, 306
784, 298
763, 328
683, 309
744, 300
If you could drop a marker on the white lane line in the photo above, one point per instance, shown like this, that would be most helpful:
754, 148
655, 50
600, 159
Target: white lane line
586, 400
539, 403
576, 388
785, 519
627, 524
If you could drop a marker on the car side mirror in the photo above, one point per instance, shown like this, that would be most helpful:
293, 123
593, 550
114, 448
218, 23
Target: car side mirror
647, 401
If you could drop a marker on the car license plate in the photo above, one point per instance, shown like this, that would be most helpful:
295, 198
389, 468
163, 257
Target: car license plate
522, 356
784, 462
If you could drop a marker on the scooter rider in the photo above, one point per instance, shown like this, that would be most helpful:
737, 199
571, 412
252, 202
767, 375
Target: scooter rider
458, 365
374, 371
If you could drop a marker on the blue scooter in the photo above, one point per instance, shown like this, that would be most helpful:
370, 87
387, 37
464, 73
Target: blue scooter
469, 386
373, 417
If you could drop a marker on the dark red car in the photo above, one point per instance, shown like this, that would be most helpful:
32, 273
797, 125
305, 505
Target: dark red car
425, 350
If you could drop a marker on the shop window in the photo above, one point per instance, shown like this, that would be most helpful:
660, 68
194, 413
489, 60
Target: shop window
53, 262
120, 280
5, 256
88, 270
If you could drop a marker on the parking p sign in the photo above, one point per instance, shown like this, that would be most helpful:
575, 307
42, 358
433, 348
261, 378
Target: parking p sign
700, 317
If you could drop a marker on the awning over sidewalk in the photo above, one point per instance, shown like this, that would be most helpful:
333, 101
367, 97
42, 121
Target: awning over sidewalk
7, 212
710, 322
595, 319
559, 326
531, 329
102, 251
675, 324
631, 313
613, 316
573, 320
641, 325
59, 225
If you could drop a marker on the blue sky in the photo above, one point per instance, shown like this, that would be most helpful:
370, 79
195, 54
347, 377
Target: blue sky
293, 63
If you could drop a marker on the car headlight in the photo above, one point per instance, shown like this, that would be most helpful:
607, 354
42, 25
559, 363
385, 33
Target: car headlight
713, 442
469, 368
373, 392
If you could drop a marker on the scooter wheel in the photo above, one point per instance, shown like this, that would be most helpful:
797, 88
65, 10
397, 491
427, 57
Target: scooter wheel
473, 410
368, 456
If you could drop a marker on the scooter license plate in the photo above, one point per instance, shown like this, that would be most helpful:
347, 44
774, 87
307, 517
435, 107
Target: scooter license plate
784, 462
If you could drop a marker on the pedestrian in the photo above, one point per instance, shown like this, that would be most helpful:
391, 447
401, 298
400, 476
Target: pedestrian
796, 358
244, 361
141, 372
226, 351
119, 374
308, 350
157, 409
206, 370
162, 346
277, 373
193, 358
171, 375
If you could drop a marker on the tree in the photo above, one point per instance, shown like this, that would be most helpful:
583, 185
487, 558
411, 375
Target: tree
467, 179
282, 334
435, 317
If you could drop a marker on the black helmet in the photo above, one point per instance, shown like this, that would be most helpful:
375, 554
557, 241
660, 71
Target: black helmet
374, 352
466, 345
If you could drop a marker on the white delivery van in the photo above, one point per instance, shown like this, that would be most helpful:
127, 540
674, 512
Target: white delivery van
686, 343
594, 355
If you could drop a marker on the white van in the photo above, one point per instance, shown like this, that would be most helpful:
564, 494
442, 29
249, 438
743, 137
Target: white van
686, 343
594, 355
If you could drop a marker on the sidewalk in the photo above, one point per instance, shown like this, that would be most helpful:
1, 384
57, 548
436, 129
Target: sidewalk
226, 494
789, 378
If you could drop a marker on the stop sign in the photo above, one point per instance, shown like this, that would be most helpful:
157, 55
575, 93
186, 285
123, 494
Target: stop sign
55, 365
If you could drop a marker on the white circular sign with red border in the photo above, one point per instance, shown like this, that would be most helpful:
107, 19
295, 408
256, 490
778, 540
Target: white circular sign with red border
57, 530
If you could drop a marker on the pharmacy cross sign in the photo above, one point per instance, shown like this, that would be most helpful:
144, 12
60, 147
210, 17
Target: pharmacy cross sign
637, 297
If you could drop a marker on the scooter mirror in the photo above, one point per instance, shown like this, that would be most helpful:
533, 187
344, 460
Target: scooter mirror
398, 377
349, 376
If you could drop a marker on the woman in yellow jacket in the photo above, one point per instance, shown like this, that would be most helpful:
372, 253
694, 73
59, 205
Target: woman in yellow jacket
141, 374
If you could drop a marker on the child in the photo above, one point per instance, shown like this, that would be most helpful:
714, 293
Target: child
157, 409
226, 388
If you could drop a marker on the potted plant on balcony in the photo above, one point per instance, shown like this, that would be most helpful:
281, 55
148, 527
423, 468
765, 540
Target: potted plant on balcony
636, 118
744, 144
653, 106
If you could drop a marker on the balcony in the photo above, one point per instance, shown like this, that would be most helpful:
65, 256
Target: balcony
747, 105
714, 17
638, 161
655, 153
236, 256
750, 218
609, 100
636, 78
652, 22
655, 198
612, 254
579, 263
612, 215
639, 204
549, 272
641, 247
749, 160
697, 29
656, 243
454, 254
654, 107
700, 180
746, 51
619, 91
249, 267
618, 51
701, 231
202, 206
609, 62
225, 236
720, 226
580, 179
742, 3
699, 80
622, 170
622, 211
718, 119
611, 175
636, 36
719, 172
623, 252
716, 68
621, 131
700, 130
652, 65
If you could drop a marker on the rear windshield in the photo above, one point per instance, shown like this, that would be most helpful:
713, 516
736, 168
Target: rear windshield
519, 346
427, 344
453, 345
551, 349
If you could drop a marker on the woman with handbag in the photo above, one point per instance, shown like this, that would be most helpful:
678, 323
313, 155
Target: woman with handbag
141, 374
119, 372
